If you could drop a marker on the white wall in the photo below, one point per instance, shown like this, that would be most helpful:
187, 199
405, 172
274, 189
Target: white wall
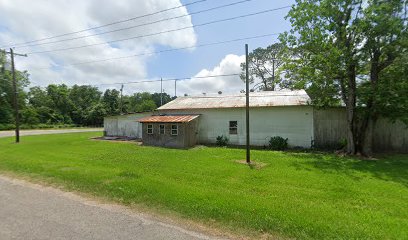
294, 123
125, 125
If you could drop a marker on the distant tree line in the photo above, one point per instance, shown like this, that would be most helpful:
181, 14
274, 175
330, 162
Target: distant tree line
64, 105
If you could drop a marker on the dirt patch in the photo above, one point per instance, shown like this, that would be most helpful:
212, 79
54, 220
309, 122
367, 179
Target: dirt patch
253, 165
118, 139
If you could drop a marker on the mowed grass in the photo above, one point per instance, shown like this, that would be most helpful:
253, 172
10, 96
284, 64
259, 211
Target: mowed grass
301, 195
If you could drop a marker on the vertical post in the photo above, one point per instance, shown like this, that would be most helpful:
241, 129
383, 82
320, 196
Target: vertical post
15, 100
121, 100
175, 88
273, 75
161, 91
248, 153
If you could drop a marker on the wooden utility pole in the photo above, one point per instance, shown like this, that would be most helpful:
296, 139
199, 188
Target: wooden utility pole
161, 91
248, 151
15, 92
121, 100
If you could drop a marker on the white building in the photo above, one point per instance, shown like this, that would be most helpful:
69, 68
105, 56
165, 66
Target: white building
278, 113
124, 125
283, 113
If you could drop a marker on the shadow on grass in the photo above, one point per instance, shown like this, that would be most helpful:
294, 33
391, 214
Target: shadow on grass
387, 167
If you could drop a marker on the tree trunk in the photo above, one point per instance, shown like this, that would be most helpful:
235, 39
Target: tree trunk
350, 107
367, 128
351, 147
367, 146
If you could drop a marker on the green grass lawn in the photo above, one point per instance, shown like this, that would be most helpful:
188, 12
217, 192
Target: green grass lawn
299, 195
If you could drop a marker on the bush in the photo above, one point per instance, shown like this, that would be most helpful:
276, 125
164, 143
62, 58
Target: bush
35, 126
7, 126
278, 143
222, 141
342, 144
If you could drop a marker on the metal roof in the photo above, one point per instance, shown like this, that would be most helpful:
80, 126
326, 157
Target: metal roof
256, 99
168, 119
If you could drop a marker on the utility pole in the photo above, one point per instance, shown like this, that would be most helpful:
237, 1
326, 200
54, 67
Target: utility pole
121, 101
175, 88
273, 74
248, 153
15, 92
161, 91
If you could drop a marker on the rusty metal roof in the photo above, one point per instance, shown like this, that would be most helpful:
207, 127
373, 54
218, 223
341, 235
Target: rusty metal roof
168, 119
256, 99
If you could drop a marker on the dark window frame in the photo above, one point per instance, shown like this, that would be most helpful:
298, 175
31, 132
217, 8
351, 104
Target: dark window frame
174, 129
160, 129
149, 128
233, 127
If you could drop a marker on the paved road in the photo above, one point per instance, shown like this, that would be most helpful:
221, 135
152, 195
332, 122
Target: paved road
56, 131
30, 211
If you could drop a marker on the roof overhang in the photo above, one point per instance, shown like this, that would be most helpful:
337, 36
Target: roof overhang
168, 119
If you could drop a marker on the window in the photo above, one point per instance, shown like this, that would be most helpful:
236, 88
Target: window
233, 127
161, 129
150, 129
174, 130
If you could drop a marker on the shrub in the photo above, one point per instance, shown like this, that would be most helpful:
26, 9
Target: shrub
342, 144
7, 126
222, 141
278, 143
35, 126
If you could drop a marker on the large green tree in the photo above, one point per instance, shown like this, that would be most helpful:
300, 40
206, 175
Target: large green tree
341, 51
264, 67
111, 101
84, 99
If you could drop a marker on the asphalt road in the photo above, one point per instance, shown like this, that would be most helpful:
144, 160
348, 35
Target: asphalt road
31, 211
51, 131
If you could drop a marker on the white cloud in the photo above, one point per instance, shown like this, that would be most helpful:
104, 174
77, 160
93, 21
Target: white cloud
227, 84
25, 20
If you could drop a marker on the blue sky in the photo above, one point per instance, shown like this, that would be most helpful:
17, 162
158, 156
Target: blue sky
189, 63
44, 18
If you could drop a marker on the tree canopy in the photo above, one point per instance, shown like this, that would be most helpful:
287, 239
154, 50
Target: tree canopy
351, 52
265, 67
78, 105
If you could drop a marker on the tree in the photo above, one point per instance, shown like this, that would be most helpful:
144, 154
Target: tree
384, 30
96, 114
41, 102
340, 48
29, 115
111, 100
264, 66
60, 102
7, 93
156, 97
83, 98
142, 102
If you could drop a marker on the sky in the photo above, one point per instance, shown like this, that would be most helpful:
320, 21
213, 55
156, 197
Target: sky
23, 21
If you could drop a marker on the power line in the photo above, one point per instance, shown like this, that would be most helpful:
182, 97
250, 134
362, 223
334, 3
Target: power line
165, 80
162, 51
140, 25
167, 31
109, 24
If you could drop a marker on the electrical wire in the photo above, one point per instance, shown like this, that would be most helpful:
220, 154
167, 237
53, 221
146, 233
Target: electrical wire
140, 25
165, 80
106, 25
159, 52
167, 31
